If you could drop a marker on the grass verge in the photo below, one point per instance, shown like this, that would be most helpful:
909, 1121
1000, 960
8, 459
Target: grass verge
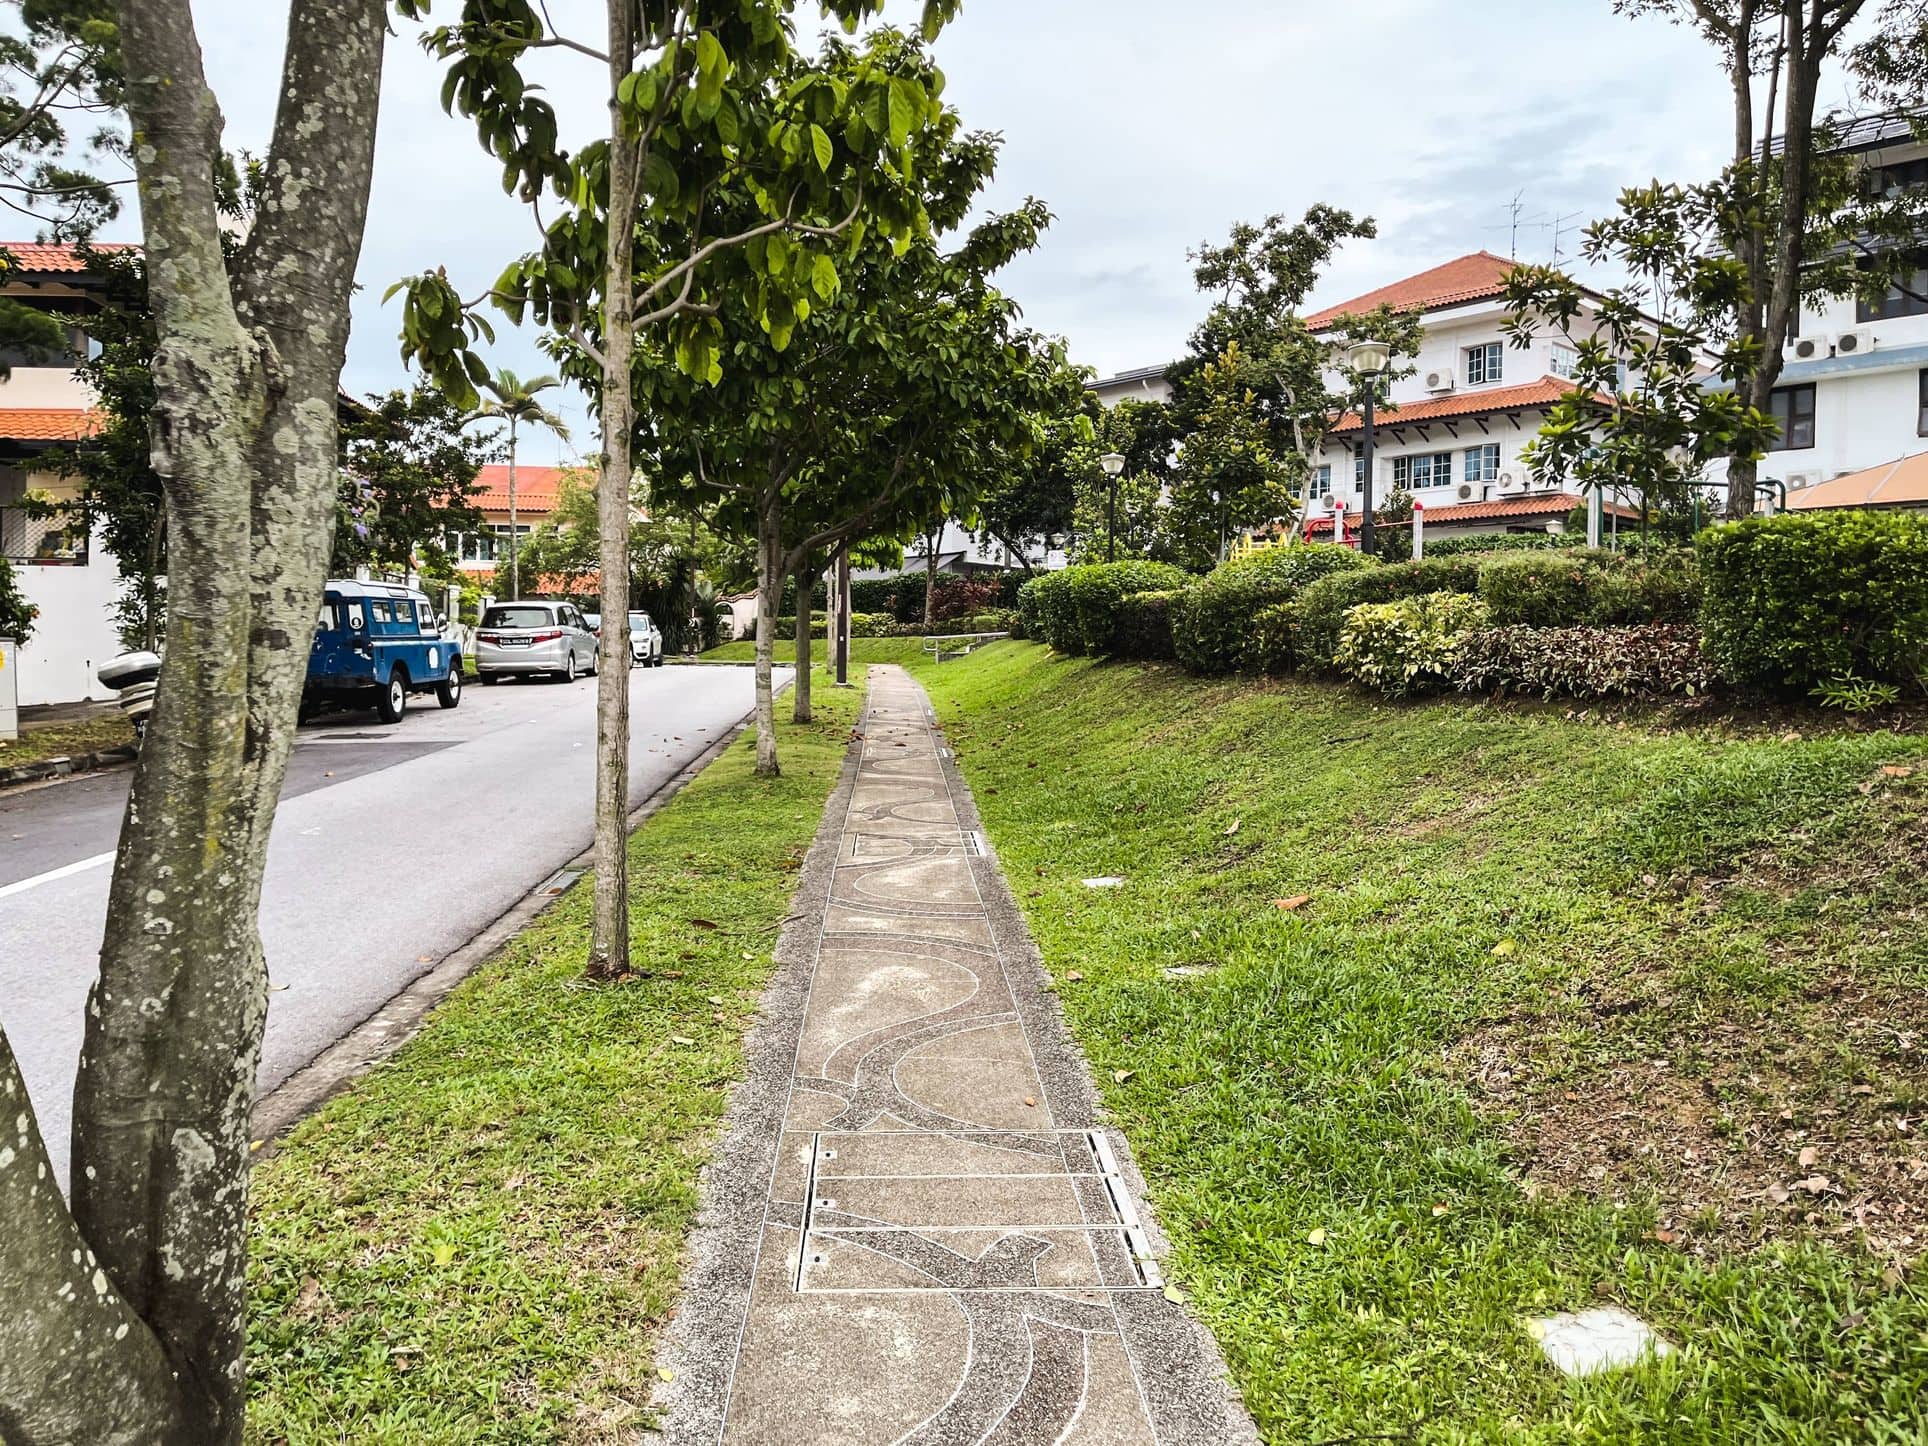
863, 652
1426, 1019
67, 740
480, 1241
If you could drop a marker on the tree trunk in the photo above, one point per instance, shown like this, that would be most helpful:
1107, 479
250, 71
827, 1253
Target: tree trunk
244, 440
800, 689
609, 934
930, 577
769, 592
515, 532
843, 616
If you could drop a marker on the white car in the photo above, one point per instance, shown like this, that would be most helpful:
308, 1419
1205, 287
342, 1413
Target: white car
645, 641
523, 639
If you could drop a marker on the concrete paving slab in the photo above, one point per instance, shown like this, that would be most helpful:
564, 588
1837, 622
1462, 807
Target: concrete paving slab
918, 1229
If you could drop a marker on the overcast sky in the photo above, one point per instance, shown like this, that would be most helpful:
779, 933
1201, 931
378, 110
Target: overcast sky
1147, 126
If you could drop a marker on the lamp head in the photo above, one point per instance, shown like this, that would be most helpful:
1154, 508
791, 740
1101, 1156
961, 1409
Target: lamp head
1368, 358
1113, 463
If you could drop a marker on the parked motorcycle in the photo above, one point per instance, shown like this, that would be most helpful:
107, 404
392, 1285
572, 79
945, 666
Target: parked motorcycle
135, 676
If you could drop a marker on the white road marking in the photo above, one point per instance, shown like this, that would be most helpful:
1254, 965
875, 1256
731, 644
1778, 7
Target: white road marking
67, 871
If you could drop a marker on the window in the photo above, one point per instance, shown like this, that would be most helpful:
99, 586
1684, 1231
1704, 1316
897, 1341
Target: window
1321, 485
1484, 364
1793, 409
1482, 463
1358, 474
1566, 360
1907, 297
325, 620
378, 612
405, 613
1921, 411
1429, 469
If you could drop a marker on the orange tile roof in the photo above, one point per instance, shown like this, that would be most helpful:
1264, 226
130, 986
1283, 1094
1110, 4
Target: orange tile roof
47, 424
1901, 483
1477, 277
42, 257
1543, 393
1542, 504
536, 488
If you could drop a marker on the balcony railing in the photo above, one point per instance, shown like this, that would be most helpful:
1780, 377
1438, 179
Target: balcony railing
42, 541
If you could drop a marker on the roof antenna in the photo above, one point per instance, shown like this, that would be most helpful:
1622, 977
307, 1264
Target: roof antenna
1514, 209
1558, 225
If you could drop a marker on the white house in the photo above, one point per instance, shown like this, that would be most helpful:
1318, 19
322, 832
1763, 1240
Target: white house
1452, 433
68, 575
1853, 391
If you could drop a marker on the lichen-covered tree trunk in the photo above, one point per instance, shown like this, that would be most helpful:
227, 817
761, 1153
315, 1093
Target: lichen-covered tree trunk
800, 689
246, 372
609, 932
769, 593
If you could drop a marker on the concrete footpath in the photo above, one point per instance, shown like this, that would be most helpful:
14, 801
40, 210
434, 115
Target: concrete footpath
918, 1229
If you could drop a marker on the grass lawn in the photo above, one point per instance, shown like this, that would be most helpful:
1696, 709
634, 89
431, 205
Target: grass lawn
1423, 1019
863, 651
480, 1241
66, 740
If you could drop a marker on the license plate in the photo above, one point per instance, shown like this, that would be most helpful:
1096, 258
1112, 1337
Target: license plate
515, 642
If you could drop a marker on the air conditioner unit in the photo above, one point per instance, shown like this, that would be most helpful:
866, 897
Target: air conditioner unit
1805, 348
1440, 379
1797, 480
1509, 487
1465, 491
1854, 343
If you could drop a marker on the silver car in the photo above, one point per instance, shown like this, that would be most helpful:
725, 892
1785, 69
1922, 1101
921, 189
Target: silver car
549, 638
645, 641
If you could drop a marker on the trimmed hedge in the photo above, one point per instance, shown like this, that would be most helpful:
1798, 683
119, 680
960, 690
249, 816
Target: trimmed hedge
1212, 623
1044, 606
1274, 646
1145, 626
1598, 662
1504, 542
1803, 599
1077, 609
1563, 590
1408, 646
1322, 607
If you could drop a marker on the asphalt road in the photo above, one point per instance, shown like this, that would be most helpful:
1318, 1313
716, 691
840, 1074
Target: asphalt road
392, 847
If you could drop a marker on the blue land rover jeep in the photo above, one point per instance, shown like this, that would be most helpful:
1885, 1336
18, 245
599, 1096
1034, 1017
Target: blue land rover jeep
375, 643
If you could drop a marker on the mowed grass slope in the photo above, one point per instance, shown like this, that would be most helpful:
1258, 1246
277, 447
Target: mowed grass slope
1425, 1019
480, 1241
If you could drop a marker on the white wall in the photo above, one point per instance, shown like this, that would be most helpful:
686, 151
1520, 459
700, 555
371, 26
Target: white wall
74, 633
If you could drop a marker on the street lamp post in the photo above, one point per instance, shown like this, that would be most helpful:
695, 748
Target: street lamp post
1368, 360
1114, 465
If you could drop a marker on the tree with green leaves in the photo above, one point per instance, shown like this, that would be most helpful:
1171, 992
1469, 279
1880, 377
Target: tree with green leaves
519, 403
1646, 345
871, 417
59, 63
1256, 338
1030, 498
408, 477
1229, 477
1791, 207
124, 1315
712, 112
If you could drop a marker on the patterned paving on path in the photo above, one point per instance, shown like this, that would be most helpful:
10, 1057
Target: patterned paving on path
918, 1230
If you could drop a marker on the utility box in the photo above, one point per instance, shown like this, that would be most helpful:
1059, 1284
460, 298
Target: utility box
9, 690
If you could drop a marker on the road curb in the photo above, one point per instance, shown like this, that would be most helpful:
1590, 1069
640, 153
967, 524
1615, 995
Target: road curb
378, 1036
46, 768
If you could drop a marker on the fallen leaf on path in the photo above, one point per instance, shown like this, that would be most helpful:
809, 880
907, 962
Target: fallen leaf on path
1234, 828
1317, 1237
1072, 976
1439, 1210
666, 1373
1119, 1076
1031, 1101
1808, 1158
1778, 1194
1815, 1184
1297, 901
681, 1039
1504, 947
703, 923
1896, 770
1175, 1295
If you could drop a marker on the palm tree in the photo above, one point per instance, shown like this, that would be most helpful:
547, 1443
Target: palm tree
515, 402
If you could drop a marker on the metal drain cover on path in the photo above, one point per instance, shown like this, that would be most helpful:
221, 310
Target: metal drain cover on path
975, 1210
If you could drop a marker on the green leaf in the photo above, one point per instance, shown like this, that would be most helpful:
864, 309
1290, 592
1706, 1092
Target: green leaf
820, 143
823, 277
904, 106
